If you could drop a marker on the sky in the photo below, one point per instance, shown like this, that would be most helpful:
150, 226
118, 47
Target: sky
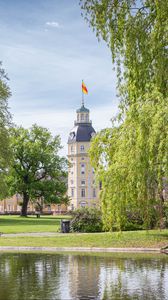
47, 48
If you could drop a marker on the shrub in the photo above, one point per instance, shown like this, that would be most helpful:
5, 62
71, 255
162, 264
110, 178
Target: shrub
86, 220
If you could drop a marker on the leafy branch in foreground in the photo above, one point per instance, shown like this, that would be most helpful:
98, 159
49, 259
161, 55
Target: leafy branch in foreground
5, 119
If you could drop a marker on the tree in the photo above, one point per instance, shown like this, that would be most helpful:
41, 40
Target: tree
5, 120
37, 170
131, 161
131, 158
136, 33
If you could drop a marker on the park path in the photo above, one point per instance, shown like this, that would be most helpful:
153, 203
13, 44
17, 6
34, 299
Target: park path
34, 234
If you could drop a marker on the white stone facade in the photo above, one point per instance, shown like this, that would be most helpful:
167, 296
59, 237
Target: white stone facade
81, 180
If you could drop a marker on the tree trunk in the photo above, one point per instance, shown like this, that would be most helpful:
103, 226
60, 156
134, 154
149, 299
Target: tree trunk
25, 203
161, 222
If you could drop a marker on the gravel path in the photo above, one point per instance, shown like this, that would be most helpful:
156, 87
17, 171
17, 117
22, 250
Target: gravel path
36, 234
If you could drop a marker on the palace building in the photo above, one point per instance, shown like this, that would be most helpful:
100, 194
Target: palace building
81, 182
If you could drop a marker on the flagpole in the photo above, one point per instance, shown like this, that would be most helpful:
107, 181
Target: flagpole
82, 96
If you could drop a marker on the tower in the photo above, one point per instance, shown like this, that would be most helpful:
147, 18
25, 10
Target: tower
81, 183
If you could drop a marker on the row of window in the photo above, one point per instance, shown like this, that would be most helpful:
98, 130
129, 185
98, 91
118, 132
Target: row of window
82, 171
83, 117
82, 148
82, 204
82, 158
82, 182
83, 193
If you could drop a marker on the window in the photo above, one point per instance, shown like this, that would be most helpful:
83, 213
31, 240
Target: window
83, 204
72, 206
82, 117
83, 182
72, 192
71, 159
82, 168
82, 148
94, 193
82, 193
72, 173
72, 149
82, 158
72, 181
86, 117
100, 185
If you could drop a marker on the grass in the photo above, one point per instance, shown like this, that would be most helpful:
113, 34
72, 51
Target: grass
16, 224
126, 239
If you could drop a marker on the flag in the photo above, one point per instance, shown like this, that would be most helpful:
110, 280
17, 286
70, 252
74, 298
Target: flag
84, 88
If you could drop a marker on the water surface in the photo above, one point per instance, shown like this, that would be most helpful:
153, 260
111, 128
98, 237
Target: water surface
68, 276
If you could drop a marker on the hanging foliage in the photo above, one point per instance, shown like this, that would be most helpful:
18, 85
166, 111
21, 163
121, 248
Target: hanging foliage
131, 158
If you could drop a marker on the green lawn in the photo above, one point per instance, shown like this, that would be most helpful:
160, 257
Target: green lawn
17, 224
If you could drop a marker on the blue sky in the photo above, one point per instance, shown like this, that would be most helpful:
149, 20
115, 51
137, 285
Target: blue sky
47, 49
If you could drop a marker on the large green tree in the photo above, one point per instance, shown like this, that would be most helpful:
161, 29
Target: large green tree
131, 159
37, 170
5, 120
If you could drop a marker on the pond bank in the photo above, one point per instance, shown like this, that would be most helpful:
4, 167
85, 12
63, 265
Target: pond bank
83, 249
134, 241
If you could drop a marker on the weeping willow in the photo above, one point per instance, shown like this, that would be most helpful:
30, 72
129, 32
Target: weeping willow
131, 158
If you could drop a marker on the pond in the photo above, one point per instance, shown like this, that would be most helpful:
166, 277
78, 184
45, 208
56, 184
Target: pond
82, 276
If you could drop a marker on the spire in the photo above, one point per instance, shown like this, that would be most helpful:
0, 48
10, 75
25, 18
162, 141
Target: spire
83, 99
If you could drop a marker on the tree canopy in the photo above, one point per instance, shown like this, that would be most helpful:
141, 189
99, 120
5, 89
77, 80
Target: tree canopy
37, 169
136, 33
5, 119
131, 158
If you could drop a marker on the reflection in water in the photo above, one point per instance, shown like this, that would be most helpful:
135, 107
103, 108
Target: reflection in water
54, 276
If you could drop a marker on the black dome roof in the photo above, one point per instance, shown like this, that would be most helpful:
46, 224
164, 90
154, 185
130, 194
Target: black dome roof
81, 133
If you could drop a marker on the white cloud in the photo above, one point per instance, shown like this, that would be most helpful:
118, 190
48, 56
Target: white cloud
53, 24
